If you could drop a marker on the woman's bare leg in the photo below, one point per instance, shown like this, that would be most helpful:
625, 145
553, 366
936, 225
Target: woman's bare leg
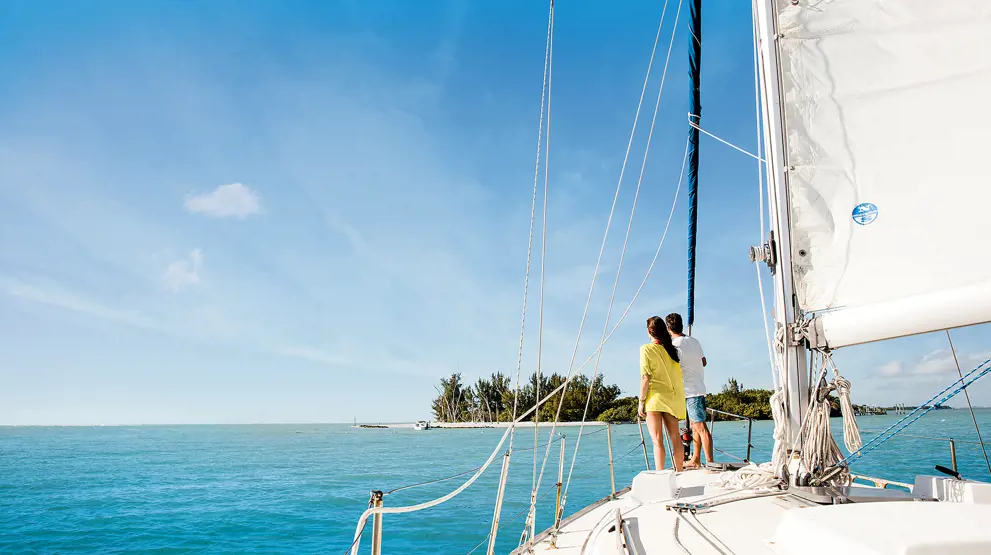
674, 434
655, 425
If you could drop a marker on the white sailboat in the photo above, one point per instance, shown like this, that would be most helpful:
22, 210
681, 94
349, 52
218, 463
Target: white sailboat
874, 115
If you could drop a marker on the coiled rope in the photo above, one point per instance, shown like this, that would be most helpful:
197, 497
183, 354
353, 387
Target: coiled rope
820, 449
753, 476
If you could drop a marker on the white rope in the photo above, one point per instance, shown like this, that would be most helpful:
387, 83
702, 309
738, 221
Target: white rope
779, 400
751, 477
724, 141
529, 245
622, 257
511, 431
598, 262
820, 451
650, 267
851, 431
779, 414
543, 256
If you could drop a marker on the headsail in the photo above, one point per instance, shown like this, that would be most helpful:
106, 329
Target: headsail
886, 116
695, 115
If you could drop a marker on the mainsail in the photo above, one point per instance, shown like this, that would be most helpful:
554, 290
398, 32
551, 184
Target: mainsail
886, 111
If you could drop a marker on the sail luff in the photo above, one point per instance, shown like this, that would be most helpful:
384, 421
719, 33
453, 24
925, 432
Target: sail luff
790, 355
695, 115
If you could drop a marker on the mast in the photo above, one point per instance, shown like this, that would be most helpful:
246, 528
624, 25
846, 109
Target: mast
789, 350
695, 116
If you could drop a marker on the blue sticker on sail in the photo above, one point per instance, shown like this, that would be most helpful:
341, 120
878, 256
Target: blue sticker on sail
864, 213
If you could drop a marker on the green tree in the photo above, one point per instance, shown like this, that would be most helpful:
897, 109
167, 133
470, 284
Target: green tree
493, 399
623, 409
752, 403
490, 396
454, 401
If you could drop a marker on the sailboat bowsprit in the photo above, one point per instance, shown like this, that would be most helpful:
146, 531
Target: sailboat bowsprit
873, 123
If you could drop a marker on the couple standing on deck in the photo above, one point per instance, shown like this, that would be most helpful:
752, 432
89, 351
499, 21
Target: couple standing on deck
671, 377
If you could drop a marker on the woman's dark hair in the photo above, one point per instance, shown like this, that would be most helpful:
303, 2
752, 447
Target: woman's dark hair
674, 322
659, 331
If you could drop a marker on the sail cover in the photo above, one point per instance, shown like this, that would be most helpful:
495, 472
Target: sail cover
887, 116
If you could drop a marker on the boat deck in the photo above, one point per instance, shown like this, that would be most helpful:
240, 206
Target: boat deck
717, 520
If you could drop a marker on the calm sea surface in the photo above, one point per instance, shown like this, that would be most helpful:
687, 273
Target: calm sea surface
301, 488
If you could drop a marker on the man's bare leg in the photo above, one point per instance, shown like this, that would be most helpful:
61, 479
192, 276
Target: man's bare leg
696, 448
702, 435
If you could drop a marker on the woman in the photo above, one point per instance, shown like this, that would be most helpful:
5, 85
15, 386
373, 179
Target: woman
662, 392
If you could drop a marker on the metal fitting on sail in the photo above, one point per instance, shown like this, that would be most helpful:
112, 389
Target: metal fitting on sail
765, 253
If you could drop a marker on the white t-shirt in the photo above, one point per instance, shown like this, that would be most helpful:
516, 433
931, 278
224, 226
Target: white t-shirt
690, 353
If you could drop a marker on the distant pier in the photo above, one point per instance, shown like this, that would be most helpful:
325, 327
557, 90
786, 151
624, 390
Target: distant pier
868, 410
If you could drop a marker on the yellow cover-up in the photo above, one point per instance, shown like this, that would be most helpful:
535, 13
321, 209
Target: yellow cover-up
666, 390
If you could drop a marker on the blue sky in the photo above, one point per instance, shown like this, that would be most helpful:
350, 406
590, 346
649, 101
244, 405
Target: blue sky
311, 211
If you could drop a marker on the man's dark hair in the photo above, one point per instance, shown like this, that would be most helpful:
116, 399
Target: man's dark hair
673, 321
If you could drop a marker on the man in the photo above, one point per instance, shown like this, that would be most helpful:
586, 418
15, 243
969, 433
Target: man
692, 362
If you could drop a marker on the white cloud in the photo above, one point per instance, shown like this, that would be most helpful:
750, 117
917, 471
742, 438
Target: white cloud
893, 368
226, 201
53, 295
183, 272
933, 364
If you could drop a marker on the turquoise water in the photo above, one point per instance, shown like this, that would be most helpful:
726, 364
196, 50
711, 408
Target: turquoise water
301, 488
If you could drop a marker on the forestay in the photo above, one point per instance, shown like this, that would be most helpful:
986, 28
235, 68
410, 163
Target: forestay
887, 107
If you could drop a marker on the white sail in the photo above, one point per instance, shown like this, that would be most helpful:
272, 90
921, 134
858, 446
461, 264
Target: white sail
887, 110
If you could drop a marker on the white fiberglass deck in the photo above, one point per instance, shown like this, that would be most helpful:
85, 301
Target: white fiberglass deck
781, 523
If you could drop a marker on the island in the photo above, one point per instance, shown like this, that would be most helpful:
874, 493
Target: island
492, 400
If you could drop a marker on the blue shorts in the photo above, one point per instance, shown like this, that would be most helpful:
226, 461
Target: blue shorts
696, 408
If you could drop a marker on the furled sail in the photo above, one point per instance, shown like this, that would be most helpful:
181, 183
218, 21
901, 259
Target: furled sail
695, 79
887, 115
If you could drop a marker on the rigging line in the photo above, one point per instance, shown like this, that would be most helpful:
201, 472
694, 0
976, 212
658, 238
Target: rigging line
525, 449
535, 484
605, 237
507, 522
724, 141
427, 483
543, 256
626, 240
977, 373
614, 461
358, 537
760, 197
650, 268
529, 246
543, 253
932, 438
969, 405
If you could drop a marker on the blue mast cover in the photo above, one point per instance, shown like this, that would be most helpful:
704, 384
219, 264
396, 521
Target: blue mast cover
695, 115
